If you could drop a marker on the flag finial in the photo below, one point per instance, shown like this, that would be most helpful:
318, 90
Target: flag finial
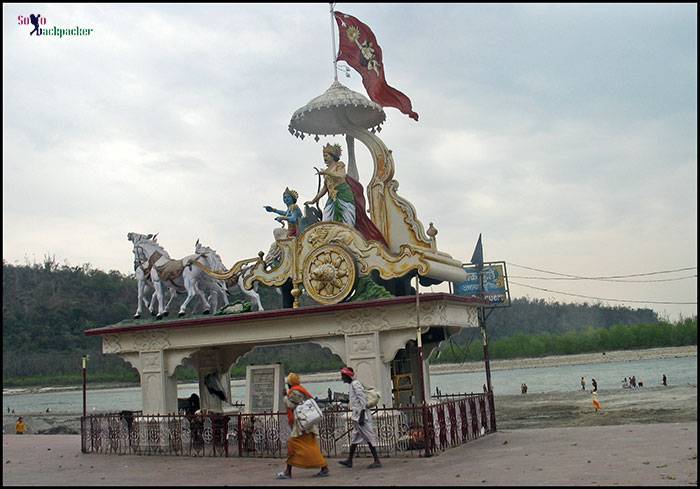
478, 255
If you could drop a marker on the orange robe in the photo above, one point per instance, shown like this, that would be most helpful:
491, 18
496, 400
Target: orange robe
303, 451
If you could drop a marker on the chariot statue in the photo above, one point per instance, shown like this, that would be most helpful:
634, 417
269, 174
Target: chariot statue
330, 260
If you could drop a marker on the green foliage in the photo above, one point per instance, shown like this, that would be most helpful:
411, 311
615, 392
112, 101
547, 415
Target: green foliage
618, 337
47, 307
534, 316
366, 289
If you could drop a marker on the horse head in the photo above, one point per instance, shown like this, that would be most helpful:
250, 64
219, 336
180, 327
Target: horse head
136, 237
200, 249
145, 245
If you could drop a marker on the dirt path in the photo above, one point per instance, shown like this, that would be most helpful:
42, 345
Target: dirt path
634, 454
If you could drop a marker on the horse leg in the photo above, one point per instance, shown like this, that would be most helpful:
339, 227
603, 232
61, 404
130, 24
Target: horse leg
140, 284
214, 299
257, 296
152, 304
250, 293
221, 289
198, 291
189, 287
173, 294
158, 285
143, 298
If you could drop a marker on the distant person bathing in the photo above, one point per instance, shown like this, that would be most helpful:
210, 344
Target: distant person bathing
596, 402
20, 427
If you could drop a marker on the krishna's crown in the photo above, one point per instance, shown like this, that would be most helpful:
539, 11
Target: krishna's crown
333, 149
293, 193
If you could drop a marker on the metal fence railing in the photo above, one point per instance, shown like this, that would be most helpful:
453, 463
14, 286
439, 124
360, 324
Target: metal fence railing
403, 431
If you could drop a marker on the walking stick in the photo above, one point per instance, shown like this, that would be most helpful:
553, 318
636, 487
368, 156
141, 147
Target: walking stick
351, 427
336, 439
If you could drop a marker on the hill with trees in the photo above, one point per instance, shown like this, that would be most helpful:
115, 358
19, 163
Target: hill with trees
48, 306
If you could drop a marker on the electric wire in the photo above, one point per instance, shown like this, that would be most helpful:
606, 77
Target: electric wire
608, 279
601, 298
603, 277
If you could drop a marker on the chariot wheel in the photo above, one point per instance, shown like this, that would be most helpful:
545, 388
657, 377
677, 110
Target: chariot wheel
329, 274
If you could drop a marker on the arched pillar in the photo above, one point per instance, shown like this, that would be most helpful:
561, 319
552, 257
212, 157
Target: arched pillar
216, 360
394, 341
363, 354
157, 373
336, 344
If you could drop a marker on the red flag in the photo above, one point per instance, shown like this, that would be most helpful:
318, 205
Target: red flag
359, 49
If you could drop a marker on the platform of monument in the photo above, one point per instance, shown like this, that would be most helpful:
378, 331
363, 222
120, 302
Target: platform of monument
407, 431
365, 335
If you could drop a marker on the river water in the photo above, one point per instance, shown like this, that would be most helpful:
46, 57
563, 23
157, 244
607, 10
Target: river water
679, 371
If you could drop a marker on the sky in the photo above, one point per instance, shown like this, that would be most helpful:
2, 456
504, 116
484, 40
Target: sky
565, 134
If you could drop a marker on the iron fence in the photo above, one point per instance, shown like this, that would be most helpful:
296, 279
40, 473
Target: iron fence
403, 431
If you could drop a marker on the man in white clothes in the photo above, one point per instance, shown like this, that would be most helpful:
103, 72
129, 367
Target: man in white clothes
363, 426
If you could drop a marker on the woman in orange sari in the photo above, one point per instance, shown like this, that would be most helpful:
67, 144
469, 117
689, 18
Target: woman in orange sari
303, 449
596, 402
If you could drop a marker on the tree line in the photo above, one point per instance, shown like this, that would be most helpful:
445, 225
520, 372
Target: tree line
48, 306
589, 340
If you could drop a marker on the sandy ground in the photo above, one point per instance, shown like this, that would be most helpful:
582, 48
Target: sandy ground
642, 437
633, 454
672, 404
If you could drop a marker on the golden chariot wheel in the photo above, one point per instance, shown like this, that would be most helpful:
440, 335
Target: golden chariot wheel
329, 274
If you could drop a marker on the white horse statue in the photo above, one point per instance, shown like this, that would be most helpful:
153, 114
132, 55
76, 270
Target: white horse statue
154, 263
212, 261
214, 287
144, 282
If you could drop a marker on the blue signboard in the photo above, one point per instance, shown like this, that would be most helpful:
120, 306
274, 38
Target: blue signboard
495, 284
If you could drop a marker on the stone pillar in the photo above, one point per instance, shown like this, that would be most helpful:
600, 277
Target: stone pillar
218, 361
158, 389
206, 399
363, 354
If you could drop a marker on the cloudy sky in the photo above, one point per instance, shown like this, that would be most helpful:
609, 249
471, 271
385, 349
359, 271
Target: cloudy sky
565, 134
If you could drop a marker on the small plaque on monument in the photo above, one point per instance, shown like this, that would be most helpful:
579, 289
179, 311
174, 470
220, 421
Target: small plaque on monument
265, 387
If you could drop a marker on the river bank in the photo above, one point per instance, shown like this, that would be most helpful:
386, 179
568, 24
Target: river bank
577, 359
443, 368
672, 404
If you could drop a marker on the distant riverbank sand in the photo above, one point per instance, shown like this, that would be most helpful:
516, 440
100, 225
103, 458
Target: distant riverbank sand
578, 359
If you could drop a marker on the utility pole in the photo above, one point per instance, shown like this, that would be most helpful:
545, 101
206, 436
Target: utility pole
85, 359
83, 420
421, 375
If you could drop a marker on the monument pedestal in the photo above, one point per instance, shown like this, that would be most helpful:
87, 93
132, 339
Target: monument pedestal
366, 335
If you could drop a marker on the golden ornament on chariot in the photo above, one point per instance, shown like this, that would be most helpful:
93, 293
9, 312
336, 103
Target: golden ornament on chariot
329, 274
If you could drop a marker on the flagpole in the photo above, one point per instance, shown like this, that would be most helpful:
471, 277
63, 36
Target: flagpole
335, 61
